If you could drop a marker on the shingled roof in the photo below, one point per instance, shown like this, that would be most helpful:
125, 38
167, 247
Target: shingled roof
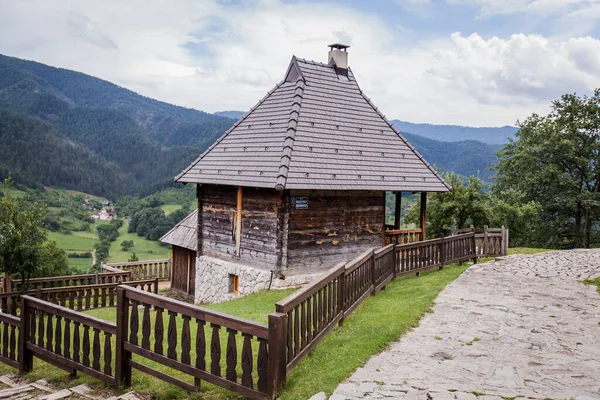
184, 234
315, 130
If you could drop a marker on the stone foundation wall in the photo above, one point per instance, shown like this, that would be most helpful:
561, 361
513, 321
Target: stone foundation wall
213, 280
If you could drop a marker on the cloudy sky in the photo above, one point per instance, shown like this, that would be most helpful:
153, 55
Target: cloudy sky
466, 62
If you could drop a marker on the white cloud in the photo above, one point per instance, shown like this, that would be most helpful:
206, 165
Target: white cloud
211, 57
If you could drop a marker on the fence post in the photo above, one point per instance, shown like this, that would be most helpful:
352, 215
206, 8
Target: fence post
504, 242
155, 285
122, 367
341, 294
373, 273
474, 248
395, 259
506, 233
25, 356
443, 252
276, 373
485, 241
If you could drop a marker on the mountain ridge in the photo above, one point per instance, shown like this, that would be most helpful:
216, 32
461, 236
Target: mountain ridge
146, 140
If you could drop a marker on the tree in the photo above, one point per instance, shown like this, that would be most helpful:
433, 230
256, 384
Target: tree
54, 262
555, 161
133, 257
22, 236
466, 204
126, 245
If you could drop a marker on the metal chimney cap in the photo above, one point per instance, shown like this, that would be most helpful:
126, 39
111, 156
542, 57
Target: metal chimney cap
338, 46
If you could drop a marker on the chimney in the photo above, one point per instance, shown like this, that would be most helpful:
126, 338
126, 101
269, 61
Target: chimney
338, 56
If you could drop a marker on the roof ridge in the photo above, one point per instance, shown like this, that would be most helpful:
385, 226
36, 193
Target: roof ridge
304, 60
228, 131
410, 146
288, 145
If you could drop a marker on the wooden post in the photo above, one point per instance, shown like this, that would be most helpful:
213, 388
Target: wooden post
505, 240
238, 223
443, 252
276, 373
398, 211
122, 368
474, 248
189, 267
395, 259
485, 240
423, 215
200, 199
25, 356
373, 272
341, 294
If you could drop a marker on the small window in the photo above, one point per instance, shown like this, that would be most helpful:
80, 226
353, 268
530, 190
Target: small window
233, 283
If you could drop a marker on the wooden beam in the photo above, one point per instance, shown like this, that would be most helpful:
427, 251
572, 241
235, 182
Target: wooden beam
189, 267
238, 223
423, 215
398, 211
200, 198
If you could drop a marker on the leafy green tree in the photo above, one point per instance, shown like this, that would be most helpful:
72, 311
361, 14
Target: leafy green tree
466, 204
133, 257
555, 161
54, 262
126, 245
22, 236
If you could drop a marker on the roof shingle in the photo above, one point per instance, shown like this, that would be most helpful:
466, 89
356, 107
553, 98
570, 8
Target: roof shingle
315, 130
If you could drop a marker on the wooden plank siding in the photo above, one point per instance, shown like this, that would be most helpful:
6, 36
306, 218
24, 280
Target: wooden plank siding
337, 226
258, 237
183, 269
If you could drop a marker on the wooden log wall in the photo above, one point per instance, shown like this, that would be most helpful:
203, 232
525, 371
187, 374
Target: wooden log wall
258, 242
337, 226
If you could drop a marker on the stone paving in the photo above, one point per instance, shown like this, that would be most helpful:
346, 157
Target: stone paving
520, 326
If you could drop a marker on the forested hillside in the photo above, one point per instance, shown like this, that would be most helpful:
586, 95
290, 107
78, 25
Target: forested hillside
91, 135
466, 158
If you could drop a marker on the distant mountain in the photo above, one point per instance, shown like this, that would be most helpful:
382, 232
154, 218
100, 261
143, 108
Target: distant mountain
231, 114
455, 133
467, 157
121, 133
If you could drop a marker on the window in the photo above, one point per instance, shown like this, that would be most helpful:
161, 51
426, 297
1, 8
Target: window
233, 283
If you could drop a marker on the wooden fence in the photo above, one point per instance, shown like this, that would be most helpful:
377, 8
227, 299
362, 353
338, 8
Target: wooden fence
160, 269
81, 297
315, 309
46, 332
116, 276
202, 334
402, 236
243, 356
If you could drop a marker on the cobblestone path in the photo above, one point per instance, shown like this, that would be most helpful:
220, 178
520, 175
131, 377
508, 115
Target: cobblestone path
522, 326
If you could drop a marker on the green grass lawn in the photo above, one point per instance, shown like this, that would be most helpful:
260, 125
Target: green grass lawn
81, 265
144, 249
75, 242
526, 250
169, 208
377, 322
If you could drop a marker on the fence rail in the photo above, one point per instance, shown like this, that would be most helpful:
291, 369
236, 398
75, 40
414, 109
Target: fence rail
160, 269
402, 236
116, 276
81, 298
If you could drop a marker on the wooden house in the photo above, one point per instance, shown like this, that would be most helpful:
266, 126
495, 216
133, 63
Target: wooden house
183, 239
298, 184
